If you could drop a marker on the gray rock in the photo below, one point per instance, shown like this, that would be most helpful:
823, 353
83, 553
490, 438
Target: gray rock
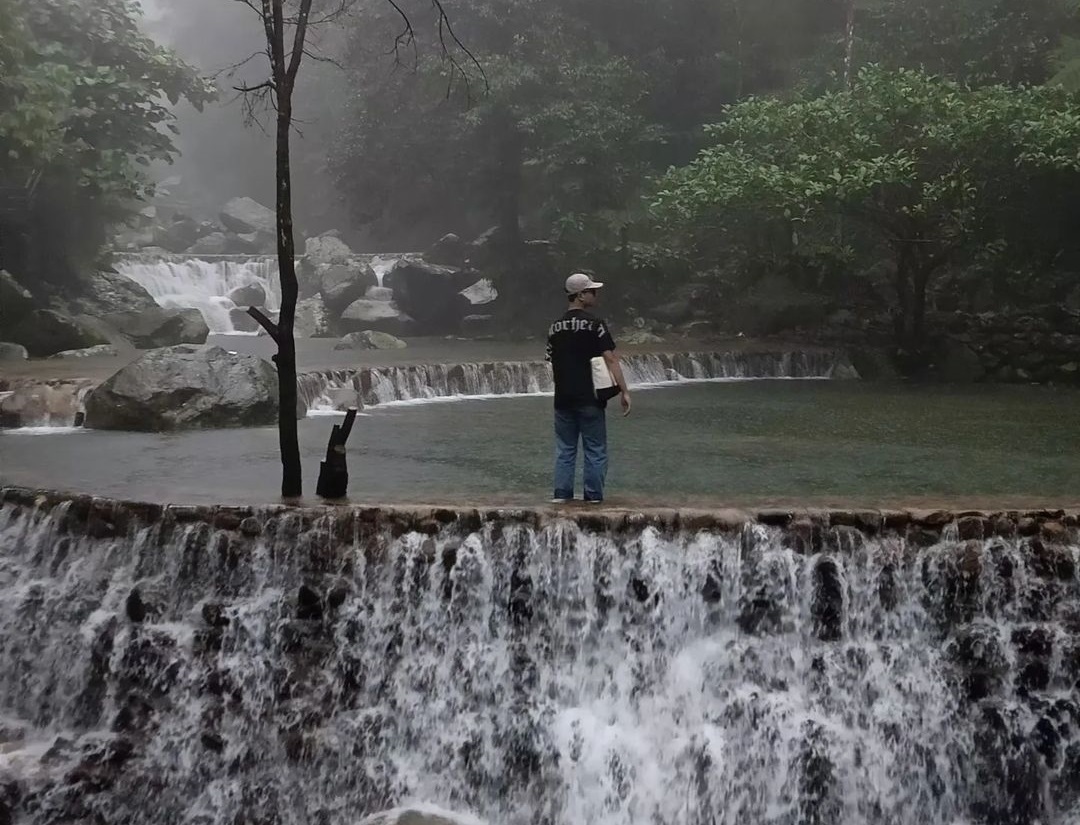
431, 294
42, 404
341, 285
133, 240
101, 350
370, 339
179, 235
159, 327
242, 322
103, 292
216, 243
46, 332
311, 318
260, 243
449, 250
252, 295
481, 293
477, 326
244, 215
365, 310
327, 250
420, 815
186, 387
12, 352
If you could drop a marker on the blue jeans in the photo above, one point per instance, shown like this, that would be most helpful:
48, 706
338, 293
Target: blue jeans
590, 425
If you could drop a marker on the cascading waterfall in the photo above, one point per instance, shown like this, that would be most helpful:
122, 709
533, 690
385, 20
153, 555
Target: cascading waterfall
342, 388
211, 666
179, 282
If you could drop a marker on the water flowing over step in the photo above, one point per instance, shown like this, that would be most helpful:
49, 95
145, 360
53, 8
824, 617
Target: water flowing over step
178, 281
369, 386
217, 665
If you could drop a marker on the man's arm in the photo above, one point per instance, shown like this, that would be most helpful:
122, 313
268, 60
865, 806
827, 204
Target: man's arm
615, 365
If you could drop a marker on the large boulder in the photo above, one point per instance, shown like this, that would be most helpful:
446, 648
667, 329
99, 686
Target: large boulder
250, 295
103, 292
327, 250
449, 250
381, 316
481, 293
186, 387
258, 243
46, 332
12, 352
312, 319
216, 243
341, 285
100, 351
177, 236
242, 322
41, 404
431, 294
244, 215
159, 327
369, 339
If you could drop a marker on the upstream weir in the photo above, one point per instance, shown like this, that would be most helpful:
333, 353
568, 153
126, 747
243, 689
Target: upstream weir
26, 401
339, 389
281, 666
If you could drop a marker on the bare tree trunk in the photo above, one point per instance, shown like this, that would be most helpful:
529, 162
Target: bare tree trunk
849, 43
285, 59
291, 470
284, 68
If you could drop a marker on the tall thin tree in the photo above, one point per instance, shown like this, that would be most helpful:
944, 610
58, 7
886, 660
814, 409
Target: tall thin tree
287, 24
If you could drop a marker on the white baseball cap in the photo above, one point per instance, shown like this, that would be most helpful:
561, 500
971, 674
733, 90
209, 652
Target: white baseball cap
579, 282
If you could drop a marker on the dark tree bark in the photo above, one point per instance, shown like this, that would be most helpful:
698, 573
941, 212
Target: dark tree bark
284, 67
285, 54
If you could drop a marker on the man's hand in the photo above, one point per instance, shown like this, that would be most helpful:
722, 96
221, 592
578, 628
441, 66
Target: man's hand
624, 399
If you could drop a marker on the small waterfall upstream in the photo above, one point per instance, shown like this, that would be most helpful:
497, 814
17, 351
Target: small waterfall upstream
214, 666
339, 389
180, 282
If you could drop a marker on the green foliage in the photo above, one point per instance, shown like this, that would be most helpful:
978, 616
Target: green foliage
577, 104
902, 151
932, 172
978, 42
82, 96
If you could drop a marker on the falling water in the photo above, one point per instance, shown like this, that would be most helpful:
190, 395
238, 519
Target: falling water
342, 388
177, 282
287, 667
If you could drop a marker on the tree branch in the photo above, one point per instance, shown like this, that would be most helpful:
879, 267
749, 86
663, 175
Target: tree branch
270, 327
299, 40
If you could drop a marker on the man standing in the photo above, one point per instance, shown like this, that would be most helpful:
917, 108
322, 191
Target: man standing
573, 341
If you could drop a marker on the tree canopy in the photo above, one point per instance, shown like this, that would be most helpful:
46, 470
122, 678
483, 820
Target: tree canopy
84, 108
937, 173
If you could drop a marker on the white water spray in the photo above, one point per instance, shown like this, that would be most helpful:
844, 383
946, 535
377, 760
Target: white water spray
177, 282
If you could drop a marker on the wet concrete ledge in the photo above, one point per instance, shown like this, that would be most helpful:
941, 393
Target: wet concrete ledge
103, 517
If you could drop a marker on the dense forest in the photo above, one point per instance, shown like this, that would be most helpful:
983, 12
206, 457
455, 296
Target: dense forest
767, 165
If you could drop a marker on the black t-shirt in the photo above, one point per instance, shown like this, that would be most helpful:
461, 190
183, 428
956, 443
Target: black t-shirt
573, 341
